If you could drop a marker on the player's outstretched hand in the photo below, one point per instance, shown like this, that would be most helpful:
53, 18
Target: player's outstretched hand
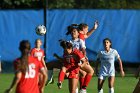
96, 24
122, 73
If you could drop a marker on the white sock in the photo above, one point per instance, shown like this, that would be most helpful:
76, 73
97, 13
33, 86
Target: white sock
50, 75
100, 91
111, 90
76, 90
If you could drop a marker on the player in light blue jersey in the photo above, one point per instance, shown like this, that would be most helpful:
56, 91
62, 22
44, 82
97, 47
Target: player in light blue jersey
107, 58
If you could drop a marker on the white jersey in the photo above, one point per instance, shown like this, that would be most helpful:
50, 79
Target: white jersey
78, 44
107, 60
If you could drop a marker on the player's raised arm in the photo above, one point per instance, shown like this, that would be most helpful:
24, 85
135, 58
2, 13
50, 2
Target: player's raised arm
92, 30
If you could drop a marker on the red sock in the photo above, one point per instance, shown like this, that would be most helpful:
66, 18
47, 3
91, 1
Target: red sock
81, 79
87, 80
61, 76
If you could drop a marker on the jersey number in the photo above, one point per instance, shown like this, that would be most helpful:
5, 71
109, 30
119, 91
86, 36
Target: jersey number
31, 72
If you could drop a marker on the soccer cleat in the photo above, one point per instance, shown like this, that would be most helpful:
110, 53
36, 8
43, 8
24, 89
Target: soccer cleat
76, 90
49, 82
83, 91
59, 85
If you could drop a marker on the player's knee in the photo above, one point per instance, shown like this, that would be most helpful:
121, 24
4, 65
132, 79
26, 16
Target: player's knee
91, 71
83, 74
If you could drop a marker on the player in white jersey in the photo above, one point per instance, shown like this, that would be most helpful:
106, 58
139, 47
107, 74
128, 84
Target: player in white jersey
107, 58
79, 44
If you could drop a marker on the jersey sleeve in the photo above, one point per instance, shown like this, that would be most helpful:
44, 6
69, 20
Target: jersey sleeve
82, 44
16, 65
116, 54
32, 52
79, 54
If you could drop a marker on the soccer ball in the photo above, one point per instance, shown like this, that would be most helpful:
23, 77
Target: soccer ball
40, 30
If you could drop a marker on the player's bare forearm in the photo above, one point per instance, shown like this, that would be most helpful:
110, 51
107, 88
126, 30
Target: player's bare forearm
93, 29
84, 52
121, 67
15, 81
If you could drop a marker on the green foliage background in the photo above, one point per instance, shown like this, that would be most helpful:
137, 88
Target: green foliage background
71, 4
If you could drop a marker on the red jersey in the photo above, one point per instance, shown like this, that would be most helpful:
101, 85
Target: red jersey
37, 53
71, 60
81, 36
29, 81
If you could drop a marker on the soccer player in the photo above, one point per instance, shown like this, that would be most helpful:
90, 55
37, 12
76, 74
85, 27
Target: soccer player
38, 52
107, 58
80, 45
137, 88
71, 64
83, 34
27, 69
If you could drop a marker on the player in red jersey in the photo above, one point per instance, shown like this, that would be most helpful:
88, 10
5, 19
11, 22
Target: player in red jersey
27, 69
85, 75
38, 53
71, 64
137, 88
83, 30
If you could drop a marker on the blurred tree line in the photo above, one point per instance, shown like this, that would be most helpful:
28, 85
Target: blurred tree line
70, 4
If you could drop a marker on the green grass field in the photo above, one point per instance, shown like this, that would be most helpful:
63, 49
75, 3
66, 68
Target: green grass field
122, 85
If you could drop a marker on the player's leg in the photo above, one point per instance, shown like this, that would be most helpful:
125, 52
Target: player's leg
73, 82
50, 76
137, 88
111, 80
89, 70
82, 77
101, 80
61, 77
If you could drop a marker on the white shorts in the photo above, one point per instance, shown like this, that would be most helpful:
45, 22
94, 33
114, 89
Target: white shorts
103, 77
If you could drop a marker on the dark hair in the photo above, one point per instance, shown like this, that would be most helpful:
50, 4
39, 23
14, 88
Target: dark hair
71, 27
82, 25
108, 40
24, 48
65, 45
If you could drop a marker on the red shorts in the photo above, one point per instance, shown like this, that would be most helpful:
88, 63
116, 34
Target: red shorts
73, 72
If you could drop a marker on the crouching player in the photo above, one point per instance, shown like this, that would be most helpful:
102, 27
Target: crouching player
71, 59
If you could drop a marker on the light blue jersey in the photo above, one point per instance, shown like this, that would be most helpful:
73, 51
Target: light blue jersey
78, 44
107, 60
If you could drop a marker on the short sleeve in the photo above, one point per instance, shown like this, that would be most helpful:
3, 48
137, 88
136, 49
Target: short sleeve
16, 64
116, 54
79, 54
32, 52
82, 44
